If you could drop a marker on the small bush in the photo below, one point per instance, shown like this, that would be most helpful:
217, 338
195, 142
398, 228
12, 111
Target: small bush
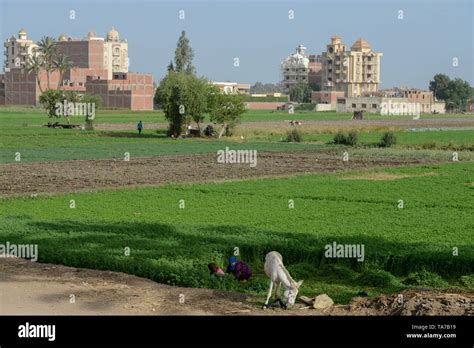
340, 138
468, 281
378, 278
426, 278
388, 139
294, 136
429, 145
352, 139
349, 139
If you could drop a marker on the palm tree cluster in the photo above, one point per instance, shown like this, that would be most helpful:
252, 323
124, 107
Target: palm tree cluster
45, 56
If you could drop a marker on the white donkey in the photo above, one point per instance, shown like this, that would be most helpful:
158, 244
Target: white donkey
278, 274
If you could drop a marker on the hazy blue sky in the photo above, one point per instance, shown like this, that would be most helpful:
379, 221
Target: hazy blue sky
261, 35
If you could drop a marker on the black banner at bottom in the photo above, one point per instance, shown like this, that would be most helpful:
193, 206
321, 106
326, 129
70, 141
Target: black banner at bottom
203, 330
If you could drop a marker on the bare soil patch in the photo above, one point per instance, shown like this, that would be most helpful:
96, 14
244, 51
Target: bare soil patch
322, 125
385, 176
91, 175
29, 288
351, 124
416, 302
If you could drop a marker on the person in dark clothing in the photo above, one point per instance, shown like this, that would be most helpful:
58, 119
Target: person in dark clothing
139, 127
239, 269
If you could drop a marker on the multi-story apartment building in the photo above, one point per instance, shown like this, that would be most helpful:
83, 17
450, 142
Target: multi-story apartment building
353, 71
17, 50
295, 68
115, 53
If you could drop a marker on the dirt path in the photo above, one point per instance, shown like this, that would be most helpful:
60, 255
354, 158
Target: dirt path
33, 288
320, 124
28, 288
90, 175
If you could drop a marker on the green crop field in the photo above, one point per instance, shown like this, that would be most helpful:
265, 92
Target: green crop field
14, 117
174, 245
37, 145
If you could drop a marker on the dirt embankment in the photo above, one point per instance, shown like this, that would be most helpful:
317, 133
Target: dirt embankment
90, 175
32, 288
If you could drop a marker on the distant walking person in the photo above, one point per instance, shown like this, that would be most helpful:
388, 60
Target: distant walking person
139, 127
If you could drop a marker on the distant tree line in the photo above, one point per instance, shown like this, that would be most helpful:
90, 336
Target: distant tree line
266, 88
457, 93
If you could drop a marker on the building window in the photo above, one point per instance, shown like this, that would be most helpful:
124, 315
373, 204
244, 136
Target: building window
353, 105
374, 106
364, 106
369, 59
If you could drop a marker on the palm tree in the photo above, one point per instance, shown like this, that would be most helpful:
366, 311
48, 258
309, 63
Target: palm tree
62, 63
47, 49
34, 64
